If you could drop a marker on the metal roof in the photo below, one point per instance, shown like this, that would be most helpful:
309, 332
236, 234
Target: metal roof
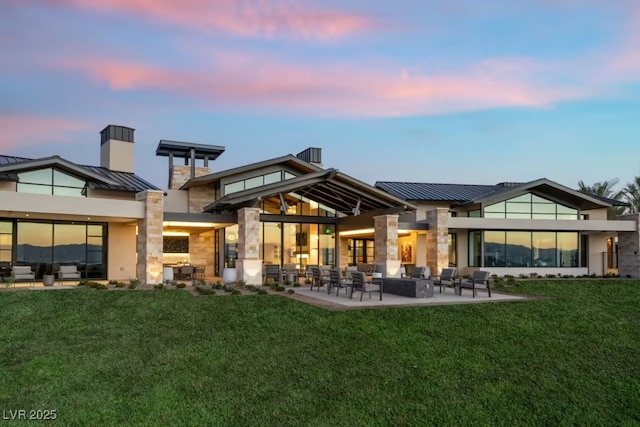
98, 177
329, 187
418, 191
468, 194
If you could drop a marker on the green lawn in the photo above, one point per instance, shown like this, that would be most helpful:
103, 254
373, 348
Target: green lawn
167, 357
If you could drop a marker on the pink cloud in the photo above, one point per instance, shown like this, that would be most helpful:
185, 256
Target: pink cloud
20, 130
249, 18
364, 90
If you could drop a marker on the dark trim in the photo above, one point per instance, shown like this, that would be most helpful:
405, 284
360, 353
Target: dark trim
299, 219
200, 217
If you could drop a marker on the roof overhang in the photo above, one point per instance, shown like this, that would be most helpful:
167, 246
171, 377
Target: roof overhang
183, 149
328, 187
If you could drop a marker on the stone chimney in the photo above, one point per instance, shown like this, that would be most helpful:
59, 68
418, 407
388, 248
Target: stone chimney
311, 155
116, 148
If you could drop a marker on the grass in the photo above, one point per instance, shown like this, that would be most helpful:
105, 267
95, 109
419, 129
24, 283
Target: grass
167, 357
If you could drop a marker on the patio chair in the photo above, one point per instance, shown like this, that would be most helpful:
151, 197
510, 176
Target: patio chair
421, 273
446, 278
198, 272
479, 278
273, 272
360, 283
318, 279
337, 280
290, 273
68, 272
23, 272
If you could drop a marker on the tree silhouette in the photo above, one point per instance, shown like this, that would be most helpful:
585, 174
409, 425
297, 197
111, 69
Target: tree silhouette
606, 189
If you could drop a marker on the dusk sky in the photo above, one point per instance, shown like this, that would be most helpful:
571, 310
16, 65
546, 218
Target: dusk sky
450, 91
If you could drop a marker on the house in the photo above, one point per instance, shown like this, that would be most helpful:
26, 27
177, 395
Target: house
112, 224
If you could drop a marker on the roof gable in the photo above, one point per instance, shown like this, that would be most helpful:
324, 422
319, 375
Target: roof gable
288, 160
329, 187
98, 177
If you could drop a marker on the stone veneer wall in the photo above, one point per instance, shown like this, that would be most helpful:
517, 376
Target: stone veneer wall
199, 197
343, 252
181, 174
202, 250
629, 249
438, 240
249, 264
149, 239
386, 244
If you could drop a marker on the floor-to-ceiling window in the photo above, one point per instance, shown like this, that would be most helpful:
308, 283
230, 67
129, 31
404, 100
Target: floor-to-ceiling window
45, 245
525, 249
453, 250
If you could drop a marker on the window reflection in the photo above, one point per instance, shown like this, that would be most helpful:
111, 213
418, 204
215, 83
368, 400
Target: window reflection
529, 206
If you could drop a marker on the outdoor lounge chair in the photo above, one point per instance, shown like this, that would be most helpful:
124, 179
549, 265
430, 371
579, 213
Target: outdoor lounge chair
360, 283
337, 280
68, 272
479, 278
23, 272
446, 278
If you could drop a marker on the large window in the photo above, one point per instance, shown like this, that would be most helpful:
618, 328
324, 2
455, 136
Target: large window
256, 181
295, 205
529, 206
299, 244
45, 246
50, 181
527, 249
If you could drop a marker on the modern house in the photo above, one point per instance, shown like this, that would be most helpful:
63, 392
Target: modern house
112, 224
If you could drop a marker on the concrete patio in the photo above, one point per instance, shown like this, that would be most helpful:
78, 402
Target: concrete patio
342, 301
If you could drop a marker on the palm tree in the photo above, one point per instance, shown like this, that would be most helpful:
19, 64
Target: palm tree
632, 194
605, 189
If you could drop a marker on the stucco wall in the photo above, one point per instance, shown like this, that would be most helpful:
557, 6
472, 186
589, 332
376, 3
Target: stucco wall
121, 258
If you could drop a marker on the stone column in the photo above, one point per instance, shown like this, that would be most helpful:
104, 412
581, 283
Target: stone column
438, 240
343, 252
629, 249
249, 264
149, 239
386, 245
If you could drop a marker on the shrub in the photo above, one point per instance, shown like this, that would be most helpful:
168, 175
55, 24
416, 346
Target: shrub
235, 291
262, 292
279, 288
242, 283
159, 286
550, 276
132, 285
217, 285
113, 282
119, 284
181, 285
533, 275
134, 282
291, 292
101, 286
296, 285
205, 291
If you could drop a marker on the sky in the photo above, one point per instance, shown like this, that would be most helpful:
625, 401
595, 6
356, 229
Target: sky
448, 91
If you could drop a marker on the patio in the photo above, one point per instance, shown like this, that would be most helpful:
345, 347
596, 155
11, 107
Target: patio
448, 297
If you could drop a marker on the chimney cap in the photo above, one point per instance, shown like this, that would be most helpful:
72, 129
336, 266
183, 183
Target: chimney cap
121, 133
